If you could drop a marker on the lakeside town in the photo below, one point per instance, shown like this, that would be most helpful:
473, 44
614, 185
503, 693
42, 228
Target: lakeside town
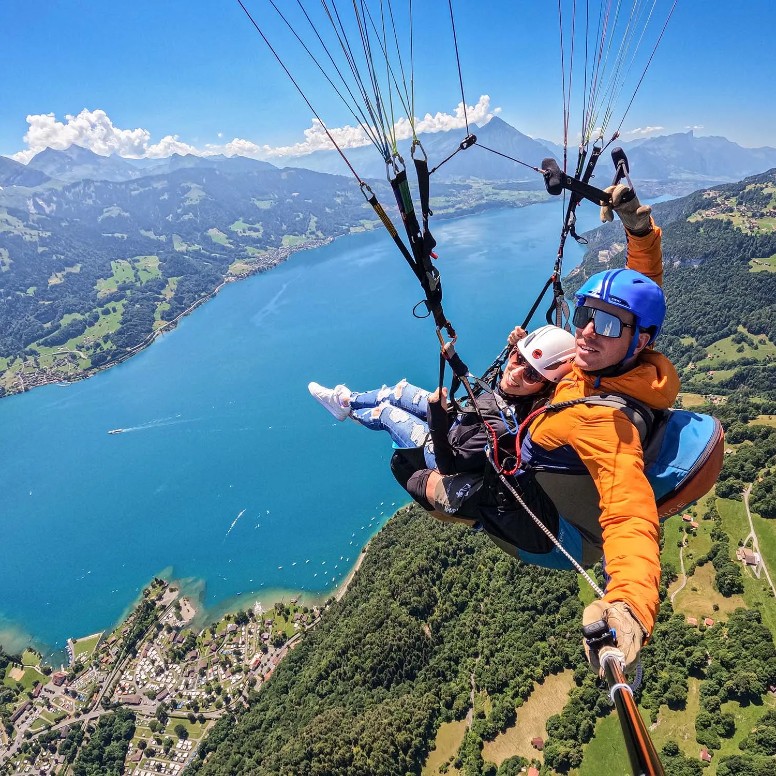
177, 682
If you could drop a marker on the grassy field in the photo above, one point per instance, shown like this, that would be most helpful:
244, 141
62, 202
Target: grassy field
746, 718
586, 593
138, 269
123, 272
720, 375
449, 737
690, 400
292, 240
546, 699
30, 658
766, 535
763, 265
85, 646
249, 230
671, 535
194, 729
26, 677
733, 519
606, 753
727, 350
764, 420
59, 277
217, 236
679, 725
699, 597
147, 268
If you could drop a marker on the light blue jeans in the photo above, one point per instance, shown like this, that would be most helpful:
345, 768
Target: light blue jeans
401, 410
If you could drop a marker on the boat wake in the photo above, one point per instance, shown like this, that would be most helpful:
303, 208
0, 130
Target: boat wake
173, 420
234, 523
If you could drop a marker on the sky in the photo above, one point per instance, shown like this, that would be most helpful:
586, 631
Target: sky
148, 78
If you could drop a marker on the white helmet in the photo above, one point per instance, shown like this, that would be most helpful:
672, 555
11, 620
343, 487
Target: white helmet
549, 350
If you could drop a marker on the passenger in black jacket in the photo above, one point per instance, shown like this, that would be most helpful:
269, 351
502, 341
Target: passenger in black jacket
438, 440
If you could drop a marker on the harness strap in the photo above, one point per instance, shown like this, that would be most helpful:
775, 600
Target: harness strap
421, 244
639, 414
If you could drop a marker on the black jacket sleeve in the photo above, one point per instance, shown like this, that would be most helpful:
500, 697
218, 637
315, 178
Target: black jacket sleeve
439, 428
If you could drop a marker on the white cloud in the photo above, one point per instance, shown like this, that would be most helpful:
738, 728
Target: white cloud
90, 129
644, 131
95, 130
695, 126
441, 122
316, 138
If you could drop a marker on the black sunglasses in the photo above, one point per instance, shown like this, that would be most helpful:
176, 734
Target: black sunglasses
530, 375
604, 324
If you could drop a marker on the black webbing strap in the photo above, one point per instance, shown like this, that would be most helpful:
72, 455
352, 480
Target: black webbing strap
641, 415
420, 262
459, 370
558, 312
424, 180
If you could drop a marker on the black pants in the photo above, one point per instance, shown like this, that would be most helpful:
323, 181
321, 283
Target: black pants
483, 498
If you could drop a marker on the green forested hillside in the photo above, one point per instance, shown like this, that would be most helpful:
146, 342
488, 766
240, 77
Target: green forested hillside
435, 614
91, 269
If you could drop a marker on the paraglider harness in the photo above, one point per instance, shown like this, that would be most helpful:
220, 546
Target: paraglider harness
683, 454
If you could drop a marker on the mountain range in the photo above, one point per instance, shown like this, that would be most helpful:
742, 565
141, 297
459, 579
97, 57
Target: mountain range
681, 161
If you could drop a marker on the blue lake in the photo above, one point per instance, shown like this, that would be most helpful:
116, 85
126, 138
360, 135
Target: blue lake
229, 474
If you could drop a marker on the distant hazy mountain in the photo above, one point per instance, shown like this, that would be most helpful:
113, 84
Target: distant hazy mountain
680, 163
76, 163
556, 148
228, 164
474, 162
16, 174
684, 156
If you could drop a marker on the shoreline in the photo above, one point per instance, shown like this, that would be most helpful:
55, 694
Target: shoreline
276, 256
14, 639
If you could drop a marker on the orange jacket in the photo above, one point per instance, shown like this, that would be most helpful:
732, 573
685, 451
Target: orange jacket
608, 445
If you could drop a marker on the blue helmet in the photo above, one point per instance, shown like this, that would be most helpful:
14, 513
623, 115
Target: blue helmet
631, 291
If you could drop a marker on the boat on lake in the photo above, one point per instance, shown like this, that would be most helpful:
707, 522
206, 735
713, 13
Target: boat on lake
116, 431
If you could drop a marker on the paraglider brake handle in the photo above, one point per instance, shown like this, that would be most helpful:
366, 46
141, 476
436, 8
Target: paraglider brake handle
622, 170
555, 181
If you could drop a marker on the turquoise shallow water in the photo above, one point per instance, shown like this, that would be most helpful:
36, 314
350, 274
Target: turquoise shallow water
228, 472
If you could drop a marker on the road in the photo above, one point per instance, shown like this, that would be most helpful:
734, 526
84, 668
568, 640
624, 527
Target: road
684, 575
753, 536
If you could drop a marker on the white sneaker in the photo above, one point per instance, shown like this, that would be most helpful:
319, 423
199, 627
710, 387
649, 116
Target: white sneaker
333, 399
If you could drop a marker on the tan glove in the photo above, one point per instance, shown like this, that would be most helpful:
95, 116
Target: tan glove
635, 217
629, 633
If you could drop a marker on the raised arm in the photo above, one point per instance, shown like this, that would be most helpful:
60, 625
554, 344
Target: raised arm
645, 252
